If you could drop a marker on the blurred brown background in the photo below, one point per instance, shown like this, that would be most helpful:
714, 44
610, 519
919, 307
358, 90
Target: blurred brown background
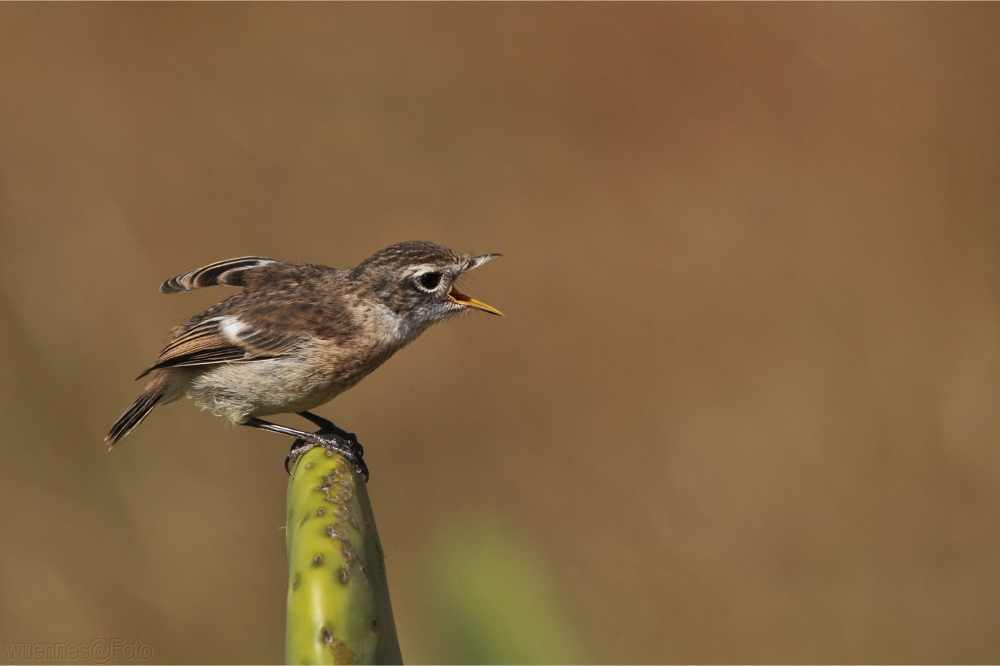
744, 405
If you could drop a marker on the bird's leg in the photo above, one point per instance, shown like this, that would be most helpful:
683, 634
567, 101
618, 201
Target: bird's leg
328, 440
326, 424
274, 427
328, 427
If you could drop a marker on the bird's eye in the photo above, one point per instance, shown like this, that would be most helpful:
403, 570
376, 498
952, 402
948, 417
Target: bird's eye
429, 281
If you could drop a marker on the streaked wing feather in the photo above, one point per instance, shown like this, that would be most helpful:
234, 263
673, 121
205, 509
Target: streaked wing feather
206, 343
228, 273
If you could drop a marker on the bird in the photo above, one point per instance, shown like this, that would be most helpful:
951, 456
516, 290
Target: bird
299, 335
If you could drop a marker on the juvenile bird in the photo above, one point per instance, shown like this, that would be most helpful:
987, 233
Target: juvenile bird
299, 335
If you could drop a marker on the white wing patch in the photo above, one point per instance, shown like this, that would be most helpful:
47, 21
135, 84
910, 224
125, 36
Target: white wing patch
231, 329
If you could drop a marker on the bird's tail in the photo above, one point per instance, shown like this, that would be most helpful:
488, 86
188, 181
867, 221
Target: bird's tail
154, 394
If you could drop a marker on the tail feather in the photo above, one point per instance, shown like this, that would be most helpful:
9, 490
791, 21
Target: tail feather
139, 410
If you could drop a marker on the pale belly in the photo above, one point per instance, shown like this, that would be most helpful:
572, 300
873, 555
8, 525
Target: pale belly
238, 391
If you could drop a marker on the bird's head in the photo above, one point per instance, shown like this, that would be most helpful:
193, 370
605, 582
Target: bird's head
415, 281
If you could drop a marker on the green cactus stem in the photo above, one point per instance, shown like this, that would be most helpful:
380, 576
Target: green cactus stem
338, 597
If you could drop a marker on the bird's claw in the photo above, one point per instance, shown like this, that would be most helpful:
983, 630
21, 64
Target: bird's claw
328, 427
348, 447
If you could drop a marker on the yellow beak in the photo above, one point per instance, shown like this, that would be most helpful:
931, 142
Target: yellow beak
455, 296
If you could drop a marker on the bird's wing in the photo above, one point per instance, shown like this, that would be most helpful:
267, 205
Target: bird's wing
229, 273
225, 339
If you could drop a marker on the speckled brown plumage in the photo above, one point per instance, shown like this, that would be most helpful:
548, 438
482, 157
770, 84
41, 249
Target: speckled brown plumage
298, 335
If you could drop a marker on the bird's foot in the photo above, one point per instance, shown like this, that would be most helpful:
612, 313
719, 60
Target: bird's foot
328, 427
331, 441
329, 436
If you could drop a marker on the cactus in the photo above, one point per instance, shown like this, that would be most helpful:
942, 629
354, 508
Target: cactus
338, 597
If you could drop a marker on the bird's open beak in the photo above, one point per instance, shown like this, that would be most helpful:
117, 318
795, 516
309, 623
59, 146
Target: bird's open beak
476, 262
455, 296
